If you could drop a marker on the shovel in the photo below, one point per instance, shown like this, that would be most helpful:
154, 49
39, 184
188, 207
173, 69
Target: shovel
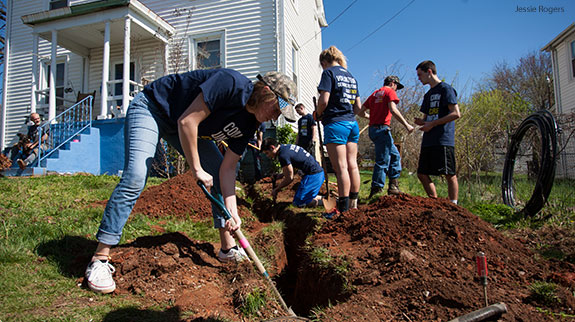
246, 246
328, 202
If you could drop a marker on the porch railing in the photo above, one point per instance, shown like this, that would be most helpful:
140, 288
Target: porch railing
64, 128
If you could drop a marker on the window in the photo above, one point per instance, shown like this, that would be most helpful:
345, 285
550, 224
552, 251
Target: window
118, 75
207, 51
294, 64
57, 4
60, 81
573, 59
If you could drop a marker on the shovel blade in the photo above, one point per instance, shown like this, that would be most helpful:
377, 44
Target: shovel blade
329, 203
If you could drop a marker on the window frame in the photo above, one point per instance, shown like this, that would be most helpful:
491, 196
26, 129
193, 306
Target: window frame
58, 3
112, 77
45, 65
195, 39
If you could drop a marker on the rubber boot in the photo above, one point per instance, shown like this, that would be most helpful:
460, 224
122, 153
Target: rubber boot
343, 204
393, 188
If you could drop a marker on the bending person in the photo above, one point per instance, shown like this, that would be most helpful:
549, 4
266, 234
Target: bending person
190, 111
293, 156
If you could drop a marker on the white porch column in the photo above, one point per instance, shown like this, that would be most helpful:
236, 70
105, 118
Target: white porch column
166, 54
126, 71
53, 67
35, 75
105, 74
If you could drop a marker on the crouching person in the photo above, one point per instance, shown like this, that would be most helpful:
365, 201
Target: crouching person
292, 156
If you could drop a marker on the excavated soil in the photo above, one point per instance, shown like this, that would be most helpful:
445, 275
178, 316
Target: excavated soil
400, 258
5, 163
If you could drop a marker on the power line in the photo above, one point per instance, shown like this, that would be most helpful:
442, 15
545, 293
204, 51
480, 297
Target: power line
329, 23
381, 26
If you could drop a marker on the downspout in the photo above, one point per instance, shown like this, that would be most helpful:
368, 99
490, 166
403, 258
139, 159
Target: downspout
277, 35
6, 62
557, 94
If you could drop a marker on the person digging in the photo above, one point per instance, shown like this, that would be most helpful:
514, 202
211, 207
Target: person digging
292, 156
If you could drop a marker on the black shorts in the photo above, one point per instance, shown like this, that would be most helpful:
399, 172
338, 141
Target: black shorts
437, 160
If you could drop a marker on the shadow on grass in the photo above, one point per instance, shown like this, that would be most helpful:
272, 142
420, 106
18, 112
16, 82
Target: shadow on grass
73, 253
70, 253
143, 315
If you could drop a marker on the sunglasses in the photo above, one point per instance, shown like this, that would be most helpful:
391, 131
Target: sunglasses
282, 102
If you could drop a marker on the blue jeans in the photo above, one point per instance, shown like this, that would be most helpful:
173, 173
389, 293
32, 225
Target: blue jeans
387, 159
144, 125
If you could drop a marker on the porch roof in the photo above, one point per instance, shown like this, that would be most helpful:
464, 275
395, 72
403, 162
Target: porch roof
81, 27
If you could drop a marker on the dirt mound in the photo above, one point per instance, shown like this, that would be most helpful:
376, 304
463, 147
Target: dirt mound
412, 258
172, 268
5, 163
179, 197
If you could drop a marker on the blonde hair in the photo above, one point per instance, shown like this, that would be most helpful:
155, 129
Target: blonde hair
333, 54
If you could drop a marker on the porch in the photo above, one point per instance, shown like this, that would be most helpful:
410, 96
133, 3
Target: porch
88, 30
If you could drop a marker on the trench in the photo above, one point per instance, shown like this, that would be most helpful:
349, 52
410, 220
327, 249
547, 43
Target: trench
304, 285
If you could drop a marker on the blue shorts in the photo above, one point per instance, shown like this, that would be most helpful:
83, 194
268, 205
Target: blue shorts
308, 189
341, 132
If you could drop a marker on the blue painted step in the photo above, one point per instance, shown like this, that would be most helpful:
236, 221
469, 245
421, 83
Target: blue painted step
82, 155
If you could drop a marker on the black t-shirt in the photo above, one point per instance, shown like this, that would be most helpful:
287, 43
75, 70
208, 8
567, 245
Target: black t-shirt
343, 91
304, 131
298, 158
436, 105
226, 93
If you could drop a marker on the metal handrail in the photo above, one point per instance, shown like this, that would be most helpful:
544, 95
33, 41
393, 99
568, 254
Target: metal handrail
64, 127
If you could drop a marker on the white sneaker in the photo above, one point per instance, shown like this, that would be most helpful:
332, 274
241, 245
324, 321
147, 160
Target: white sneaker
99, 277
233, 255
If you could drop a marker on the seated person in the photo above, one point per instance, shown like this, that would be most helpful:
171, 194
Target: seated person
27, 147
290, 156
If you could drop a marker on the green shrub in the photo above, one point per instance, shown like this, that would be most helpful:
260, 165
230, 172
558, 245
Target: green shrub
286, 135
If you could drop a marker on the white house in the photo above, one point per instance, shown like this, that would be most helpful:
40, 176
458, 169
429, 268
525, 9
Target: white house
56, 49
562, 50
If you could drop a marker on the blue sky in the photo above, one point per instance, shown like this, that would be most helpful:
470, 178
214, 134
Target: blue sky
465, 38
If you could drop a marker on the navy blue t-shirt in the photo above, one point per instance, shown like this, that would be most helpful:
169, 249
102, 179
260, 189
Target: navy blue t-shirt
343, 90
226, 93
436, 105
298, 158
304, 132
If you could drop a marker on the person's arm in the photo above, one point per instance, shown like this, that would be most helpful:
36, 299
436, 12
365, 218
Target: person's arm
359, 109
397, 114
188, 132
314, 133
322, 103
260, 139
288, 175
451, 116
228, 187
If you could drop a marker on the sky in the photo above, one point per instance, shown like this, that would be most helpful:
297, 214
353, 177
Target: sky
464, 38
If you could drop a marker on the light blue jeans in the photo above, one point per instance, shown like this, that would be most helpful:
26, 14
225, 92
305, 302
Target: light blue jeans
387, 158
144, 125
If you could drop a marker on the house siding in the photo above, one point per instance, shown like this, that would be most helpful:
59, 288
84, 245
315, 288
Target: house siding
566, 92
302, 28
249, 28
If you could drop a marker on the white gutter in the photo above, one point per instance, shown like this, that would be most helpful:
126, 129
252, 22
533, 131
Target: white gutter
6, 64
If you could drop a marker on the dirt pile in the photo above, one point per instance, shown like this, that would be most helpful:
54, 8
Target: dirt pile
411, 258
5, 163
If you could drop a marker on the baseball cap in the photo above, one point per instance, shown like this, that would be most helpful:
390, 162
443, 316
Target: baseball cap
285, 90
394, 79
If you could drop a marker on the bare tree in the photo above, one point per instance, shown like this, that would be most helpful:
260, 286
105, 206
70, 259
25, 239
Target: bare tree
531, 79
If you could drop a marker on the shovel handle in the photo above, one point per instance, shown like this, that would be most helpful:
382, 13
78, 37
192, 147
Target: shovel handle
242, 240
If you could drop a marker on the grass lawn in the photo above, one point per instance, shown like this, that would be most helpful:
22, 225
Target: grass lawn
46, 222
